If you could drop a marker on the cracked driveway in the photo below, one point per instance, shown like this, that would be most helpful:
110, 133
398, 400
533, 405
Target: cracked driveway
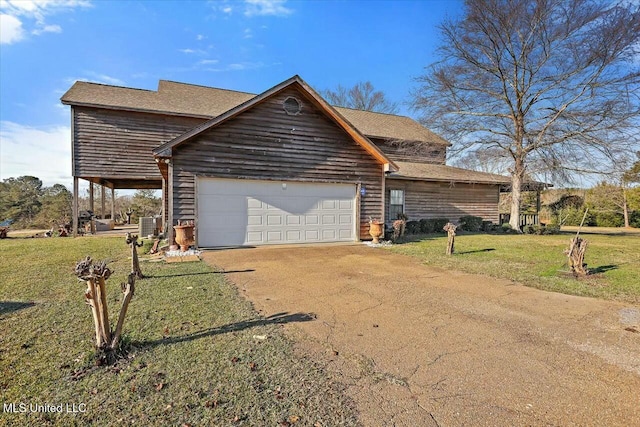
419, 346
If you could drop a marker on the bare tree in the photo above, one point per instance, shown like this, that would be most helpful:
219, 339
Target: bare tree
362, 96
554, 85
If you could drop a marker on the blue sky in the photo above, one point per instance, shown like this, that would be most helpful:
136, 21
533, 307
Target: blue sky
246, 45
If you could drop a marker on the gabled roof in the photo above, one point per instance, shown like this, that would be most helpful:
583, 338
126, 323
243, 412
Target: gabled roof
183, 99
165, 149
443, 173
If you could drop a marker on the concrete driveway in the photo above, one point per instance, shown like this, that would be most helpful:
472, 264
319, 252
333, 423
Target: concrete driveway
418, 346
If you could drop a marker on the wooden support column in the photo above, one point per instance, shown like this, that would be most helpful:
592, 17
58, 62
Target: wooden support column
102, 202
170, 232
113, 205
75, 206
164, 205
91, 207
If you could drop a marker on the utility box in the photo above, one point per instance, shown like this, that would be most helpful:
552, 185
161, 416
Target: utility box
146, 226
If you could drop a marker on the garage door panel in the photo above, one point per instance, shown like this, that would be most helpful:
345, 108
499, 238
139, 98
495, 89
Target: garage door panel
236, 212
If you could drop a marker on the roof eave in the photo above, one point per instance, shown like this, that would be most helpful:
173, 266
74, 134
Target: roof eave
132, 109
463, 181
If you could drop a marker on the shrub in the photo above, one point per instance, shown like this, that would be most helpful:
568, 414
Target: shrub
439, 223
506, 227
488, 226
471, 223
552, 229
609, 219
413, 227
634, 219
426, 226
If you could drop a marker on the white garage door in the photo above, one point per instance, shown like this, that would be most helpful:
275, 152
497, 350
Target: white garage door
234, 212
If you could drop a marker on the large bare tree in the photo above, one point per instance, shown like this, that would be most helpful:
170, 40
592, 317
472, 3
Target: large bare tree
551, 84
362, 96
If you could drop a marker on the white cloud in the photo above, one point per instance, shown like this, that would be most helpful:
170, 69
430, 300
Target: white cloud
41, 152
208, 61
200, 37
93, 77
31, 14
266, 8
238, 66
10, 29
190, 51
227, 9
47, 29
248, 33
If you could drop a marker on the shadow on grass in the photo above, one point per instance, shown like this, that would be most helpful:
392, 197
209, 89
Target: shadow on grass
275, 319
7, 307
602, 269
151, 276
476, 251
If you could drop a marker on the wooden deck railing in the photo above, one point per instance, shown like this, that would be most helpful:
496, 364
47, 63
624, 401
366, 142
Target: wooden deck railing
525, 219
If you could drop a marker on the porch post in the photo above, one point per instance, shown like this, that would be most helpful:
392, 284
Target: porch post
170, 233
75, 206
113, 205
91, 207
102, 201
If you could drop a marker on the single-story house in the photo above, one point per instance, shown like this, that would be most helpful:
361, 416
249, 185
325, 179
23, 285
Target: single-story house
283, 166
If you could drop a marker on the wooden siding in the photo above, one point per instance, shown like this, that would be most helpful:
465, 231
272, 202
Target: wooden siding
265, 142
119, 144
407, 151
445, 200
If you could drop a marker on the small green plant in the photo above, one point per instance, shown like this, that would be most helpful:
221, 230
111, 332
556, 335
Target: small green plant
506, 227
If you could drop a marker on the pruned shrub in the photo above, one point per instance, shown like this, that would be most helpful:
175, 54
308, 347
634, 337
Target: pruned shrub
506, 227
471, 223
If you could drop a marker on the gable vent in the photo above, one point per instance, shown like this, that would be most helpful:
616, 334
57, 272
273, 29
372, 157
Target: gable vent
292, 106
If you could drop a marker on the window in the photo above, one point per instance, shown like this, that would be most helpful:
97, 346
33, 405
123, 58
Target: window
292, 106
396, 204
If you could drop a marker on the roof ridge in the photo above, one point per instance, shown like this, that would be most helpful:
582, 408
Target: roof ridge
110, 85
373, 112
204, 86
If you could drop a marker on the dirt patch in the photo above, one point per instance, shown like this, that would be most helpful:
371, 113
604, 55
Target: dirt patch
416, 345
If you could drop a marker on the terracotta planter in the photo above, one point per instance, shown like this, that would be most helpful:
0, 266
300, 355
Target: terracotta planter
376, 230
184, 236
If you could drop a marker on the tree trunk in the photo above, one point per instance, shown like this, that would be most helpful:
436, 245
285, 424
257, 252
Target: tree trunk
625, 208
517, 177
127, 289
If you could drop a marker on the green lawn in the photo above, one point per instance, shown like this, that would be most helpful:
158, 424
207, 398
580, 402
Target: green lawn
538, 261
196, 356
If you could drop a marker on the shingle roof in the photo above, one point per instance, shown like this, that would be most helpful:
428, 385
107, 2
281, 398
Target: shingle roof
435, 172
207, 102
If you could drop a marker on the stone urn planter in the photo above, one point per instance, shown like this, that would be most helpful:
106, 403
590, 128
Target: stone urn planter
184, 235
376, 230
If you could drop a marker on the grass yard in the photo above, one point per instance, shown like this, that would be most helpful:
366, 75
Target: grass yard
538, 261
197, 354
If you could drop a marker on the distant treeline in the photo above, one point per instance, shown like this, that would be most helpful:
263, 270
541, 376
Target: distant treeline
26, 203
